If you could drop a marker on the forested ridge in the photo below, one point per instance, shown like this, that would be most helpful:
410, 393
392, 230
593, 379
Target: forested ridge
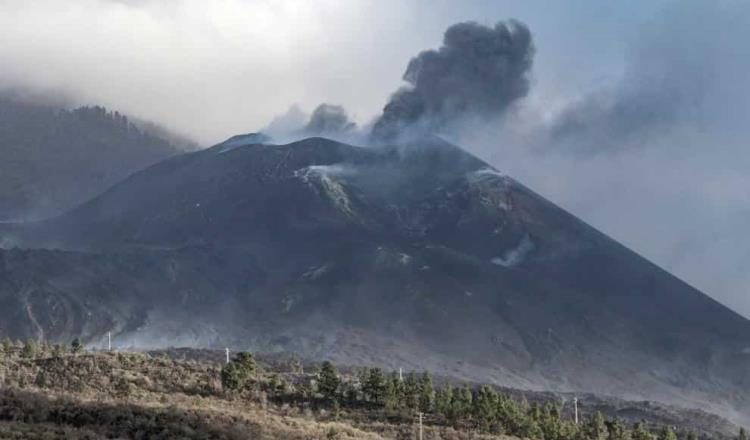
55, 158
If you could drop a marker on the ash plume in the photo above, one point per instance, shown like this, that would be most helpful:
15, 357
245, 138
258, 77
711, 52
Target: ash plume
478, 71
329, 119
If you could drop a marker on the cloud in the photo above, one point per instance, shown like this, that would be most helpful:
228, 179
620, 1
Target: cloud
208, 69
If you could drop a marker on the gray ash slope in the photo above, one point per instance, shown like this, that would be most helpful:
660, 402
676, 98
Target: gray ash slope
418, 256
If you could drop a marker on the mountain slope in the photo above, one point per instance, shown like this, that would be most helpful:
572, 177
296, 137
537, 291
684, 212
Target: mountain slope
55, 159
419, 256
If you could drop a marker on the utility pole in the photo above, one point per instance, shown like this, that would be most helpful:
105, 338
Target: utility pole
226, 350
575, 403
420, 414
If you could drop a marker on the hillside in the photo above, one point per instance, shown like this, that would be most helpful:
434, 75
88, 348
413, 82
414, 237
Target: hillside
418, 256
55, 159
55, 392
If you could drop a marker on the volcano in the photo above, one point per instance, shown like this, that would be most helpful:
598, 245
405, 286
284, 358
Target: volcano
419, 256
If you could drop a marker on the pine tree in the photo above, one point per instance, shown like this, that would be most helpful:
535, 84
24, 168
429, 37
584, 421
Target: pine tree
426, 393
510, 415
641, 433
616, 431
443, 400
362, 376
374, 386
351, 394
535, 411
551, 424
667, 434
595, 428
393, 392
462, 401
246, 361
411, 392
570, 430
329, 382
484, 408
76, 346
532, 429
236, 374
233, 376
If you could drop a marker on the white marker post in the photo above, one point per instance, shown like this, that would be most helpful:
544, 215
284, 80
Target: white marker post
227, 352
575, 403
109, 341
420, 425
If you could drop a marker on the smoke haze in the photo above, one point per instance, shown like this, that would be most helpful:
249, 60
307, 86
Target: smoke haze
659, 158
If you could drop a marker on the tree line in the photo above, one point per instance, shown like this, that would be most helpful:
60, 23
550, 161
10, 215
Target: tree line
480, 408
33, 349
378, 395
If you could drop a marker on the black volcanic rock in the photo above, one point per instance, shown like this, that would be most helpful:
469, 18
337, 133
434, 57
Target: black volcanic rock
415, 256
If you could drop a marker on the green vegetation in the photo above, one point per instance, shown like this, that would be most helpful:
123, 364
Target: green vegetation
236, 374
329, 382
76, 346
29, 349
372, 394
667, 434
51, 392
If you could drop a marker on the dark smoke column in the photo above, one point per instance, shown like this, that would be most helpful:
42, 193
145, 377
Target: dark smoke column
478, 71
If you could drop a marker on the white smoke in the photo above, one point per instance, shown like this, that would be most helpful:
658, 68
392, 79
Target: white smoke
516, 255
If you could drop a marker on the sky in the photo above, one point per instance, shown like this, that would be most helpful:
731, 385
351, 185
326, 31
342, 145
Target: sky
216, 68
636, 119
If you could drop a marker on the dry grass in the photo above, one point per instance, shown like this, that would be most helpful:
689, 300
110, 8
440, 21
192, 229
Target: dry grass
133, 395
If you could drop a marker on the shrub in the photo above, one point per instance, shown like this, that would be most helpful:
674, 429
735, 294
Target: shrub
76, 346
236, 374
29, 349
